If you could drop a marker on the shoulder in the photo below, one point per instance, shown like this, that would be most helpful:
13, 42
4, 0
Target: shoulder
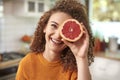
26, 65
30, 57
28, 62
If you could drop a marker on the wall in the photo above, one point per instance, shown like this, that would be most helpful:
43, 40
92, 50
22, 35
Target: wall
13, 29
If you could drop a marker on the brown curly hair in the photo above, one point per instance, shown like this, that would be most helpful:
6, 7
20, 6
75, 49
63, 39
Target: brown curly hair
75, 9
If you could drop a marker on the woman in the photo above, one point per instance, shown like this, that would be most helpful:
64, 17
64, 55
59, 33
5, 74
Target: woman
53, 58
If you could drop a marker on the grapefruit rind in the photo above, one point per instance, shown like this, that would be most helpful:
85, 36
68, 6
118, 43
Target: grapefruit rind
68, 39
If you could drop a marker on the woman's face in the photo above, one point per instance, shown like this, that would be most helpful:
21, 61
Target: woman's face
52, 36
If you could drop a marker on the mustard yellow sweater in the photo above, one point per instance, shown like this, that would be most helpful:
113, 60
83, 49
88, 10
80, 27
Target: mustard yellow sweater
35, 67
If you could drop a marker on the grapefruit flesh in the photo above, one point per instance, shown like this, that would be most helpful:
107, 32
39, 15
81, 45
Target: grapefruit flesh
71, 30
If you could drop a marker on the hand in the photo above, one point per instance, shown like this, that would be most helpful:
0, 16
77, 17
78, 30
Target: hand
80, 47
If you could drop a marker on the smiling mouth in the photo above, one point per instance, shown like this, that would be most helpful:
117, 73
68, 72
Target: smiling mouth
56, 41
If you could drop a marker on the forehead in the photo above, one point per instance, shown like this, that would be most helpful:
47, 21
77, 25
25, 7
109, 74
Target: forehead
59, 17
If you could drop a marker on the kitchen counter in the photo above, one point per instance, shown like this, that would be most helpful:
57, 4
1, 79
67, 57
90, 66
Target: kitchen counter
8, 69
109, 55
9, 65
14, 62
105, 68
10, 59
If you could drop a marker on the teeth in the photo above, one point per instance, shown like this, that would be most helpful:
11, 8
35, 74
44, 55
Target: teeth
56, 41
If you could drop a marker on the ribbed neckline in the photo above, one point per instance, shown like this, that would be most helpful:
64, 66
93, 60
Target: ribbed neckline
47, 63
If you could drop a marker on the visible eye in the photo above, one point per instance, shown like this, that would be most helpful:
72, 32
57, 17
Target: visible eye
54, 25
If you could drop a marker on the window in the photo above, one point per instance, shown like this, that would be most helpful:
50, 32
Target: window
1, 9
105, 19
31, 6
106, 10
40, 7
35, 6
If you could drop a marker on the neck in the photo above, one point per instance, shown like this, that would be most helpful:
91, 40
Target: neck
51, 56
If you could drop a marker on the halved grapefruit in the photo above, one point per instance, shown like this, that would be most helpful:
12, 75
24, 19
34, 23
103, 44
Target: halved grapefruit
71, 30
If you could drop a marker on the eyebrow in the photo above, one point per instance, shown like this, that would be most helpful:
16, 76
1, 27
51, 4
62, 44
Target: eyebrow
55, 22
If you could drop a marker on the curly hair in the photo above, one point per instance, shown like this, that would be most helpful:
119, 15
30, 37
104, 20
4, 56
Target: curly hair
77, 11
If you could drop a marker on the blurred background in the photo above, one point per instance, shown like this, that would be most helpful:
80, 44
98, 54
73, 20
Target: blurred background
18, 20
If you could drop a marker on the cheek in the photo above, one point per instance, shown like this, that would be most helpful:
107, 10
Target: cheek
48, 33
46, 30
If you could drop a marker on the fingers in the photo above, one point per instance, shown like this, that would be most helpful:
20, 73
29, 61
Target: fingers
67, 43
85, 32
